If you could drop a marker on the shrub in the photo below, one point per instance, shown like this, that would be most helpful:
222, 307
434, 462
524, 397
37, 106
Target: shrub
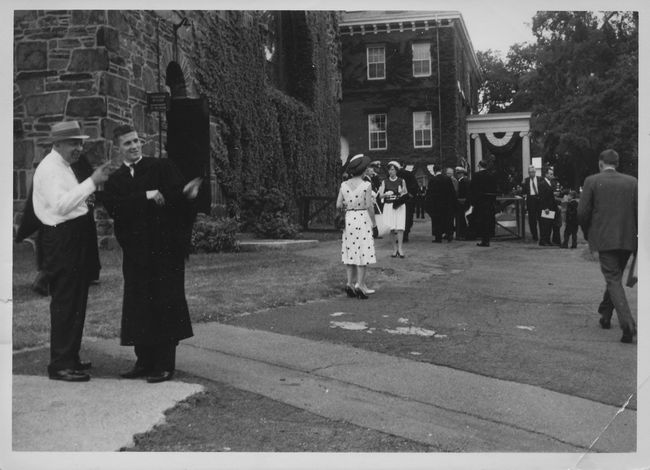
276, 225
214, 234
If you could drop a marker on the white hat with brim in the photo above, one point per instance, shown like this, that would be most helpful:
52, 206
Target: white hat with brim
66, 130
395, 164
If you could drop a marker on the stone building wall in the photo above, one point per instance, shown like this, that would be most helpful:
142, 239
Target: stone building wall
97, 66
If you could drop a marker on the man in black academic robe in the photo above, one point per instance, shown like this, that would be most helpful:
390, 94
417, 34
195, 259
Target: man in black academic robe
483, 195
150, 209
440, 203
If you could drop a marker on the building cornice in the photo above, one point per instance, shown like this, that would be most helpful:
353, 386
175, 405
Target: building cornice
374, 22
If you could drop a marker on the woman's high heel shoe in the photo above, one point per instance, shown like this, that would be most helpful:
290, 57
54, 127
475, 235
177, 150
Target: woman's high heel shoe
349, 290
360, 293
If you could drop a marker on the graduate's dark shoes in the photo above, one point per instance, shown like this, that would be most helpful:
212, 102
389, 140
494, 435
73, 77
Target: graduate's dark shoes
136, 373
69, 375
157, 377
628, 335
83, 365
482, 244
604, 323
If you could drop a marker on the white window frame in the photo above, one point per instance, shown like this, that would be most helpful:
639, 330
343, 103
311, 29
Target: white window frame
421, 58
377, 133
374, 60
420, 128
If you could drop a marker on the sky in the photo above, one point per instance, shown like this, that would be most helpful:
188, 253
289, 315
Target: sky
514, 25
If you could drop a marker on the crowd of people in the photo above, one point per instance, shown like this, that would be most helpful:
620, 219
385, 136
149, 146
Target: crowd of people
463, 209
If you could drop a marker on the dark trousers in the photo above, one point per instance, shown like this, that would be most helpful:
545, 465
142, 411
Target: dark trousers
533, 209
461, 223
570, 231
156, 357
419, 209
612, 265
410, 210
65, 261
485, 224
549, 232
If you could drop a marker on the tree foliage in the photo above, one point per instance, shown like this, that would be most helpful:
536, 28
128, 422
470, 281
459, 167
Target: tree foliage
580, 81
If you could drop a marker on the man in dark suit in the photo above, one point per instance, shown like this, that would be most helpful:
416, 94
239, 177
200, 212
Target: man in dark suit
483, 195
530, 188
607, 213
412, 188
549, 211
151, 210
463, 204
440, 202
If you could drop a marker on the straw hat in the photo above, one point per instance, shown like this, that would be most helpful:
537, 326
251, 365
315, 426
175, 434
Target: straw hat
66, 130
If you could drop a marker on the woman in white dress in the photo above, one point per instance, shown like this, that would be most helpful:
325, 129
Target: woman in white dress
357, 247
395, 217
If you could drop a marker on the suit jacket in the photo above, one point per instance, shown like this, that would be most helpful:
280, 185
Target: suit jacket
440, 198
607, 211
546, 195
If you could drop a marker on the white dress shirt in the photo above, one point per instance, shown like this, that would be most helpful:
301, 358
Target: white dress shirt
533, 186
58, 196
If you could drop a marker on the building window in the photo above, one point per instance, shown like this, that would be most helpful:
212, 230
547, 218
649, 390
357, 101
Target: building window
422, 59
377, 136
422, 129
376, 62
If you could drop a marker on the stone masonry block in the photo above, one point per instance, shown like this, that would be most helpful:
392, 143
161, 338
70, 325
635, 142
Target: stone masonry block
84, 17
31, 55
109, 38
95, 151
89, 60
46, 103
112, 85
92, 106
23, 154
31, 86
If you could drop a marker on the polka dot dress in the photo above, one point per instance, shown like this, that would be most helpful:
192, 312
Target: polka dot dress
358, 247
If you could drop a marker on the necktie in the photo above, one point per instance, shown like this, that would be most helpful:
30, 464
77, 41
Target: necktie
132, 170
534, 186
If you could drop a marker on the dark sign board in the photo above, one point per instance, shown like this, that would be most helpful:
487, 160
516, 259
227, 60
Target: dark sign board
157, 101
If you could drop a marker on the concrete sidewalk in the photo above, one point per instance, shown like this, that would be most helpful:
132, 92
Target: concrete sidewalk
456, 410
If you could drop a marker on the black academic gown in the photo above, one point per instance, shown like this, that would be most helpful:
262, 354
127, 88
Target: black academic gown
440, 203
154, 308
482, 196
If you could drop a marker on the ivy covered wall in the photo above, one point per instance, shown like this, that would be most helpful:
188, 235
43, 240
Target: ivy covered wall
275, 116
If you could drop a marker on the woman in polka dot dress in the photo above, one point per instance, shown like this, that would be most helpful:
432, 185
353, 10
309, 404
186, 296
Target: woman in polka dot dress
358, 248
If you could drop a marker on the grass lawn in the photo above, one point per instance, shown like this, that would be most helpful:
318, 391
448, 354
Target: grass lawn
218, 286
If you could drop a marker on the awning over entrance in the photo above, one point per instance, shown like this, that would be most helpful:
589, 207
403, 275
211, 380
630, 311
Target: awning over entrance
506, 126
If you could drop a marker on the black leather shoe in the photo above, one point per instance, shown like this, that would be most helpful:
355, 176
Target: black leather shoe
157, 377
605, 324
628, 335
83, 365
69, 375
136, 372
349, 290
482, 244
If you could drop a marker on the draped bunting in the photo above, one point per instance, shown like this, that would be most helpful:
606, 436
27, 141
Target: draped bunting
501, 145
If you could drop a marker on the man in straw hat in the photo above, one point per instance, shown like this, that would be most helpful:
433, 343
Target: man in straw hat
60, 205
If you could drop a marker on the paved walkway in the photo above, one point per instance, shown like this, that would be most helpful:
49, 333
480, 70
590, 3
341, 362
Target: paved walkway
415, 400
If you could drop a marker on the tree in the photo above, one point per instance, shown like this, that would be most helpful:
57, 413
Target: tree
580, 80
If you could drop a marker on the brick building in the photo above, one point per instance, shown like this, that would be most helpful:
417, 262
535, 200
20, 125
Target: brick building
410, 79
268, 124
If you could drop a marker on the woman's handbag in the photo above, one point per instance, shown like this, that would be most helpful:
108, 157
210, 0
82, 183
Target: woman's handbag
380, 220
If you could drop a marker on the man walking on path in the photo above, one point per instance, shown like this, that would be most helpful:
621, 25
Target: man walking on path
150, 208
607, 213
68, 262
